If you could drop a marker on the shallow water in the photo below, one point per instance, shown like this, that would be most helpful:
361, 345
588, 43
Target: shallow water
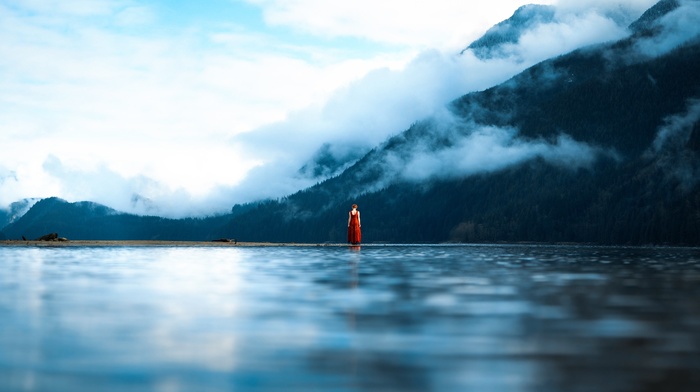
380, 318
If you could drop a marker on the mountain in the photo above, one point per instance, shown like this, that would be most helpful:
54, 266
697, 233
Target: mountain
92, 221
15, 211
493, 43
647, 21
500, 40
325, 162
601, 145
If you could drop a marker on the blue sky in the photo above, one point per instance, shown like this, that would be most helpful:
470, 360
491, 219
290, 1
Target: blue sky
182, 107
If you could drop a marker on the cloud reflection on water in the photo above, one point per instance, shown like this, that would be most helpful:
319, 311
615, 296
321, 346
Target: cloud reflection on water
487, 318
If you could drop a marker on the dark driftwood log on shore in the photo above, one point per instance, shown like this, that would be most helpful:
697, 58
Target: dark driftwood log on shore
50, 237
225, 240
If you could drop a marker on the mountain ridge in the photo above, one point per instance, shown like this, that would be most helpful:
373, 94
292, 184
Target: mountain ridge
509, 31
600, 145
584, 82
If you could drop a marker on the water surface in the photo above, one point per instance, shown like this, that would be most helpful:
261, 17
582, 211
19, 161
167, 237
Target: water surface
379, 318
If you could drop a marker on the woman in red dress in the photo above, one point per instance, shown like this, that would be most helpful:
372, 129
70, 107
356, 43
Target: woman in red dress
354, 232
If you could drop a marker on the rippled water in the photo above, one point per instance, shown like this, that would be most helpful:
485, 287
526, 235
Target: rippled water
386, 318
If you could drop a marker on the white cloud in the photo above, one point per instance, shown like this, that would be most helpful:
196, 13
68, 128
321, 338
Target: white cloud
387, 101
490, 149
670, 148
680, 26
125, 105
60, 8
604, 6
441, 24
677, 129
134, 16
450, 147
569, 31
138, 193
141, 105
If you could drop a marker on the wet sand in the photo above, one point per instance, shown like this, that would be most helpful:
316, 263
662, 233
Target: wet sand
146, 243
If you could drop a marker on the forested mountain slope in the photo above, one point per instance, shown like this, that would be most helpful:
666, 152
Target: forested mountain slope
601, 145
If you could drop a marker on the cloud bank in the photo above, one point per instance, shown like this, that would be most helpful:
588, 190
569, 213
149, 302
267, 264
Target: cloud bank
103, 101
388, 101
676, 138
680, 26
451, 147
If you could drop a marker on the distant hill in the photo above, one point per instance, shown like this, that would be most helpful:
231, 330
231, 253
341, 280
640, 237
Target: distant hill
14, 211
92, 221
601, 145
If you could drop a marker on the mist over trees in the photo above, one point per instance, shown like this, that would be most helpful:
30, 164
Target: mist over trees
601, 145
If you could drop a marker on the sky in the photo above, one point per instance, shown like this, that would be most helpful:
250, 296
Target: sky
181, 108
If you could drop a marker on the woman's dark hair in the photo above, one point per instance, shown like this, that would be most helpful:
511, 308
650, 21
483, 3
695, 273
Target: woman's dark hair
354, 206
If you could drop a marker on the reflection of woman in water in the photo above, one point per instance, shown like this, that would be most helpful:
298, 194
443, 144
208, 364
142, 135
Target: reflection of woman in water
354, 233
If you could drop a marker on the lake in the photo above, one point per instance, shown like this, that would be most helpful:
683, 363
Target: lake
334, 318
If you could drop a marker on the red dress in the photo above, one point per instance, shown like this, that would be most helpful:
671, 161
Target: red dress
354, 232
